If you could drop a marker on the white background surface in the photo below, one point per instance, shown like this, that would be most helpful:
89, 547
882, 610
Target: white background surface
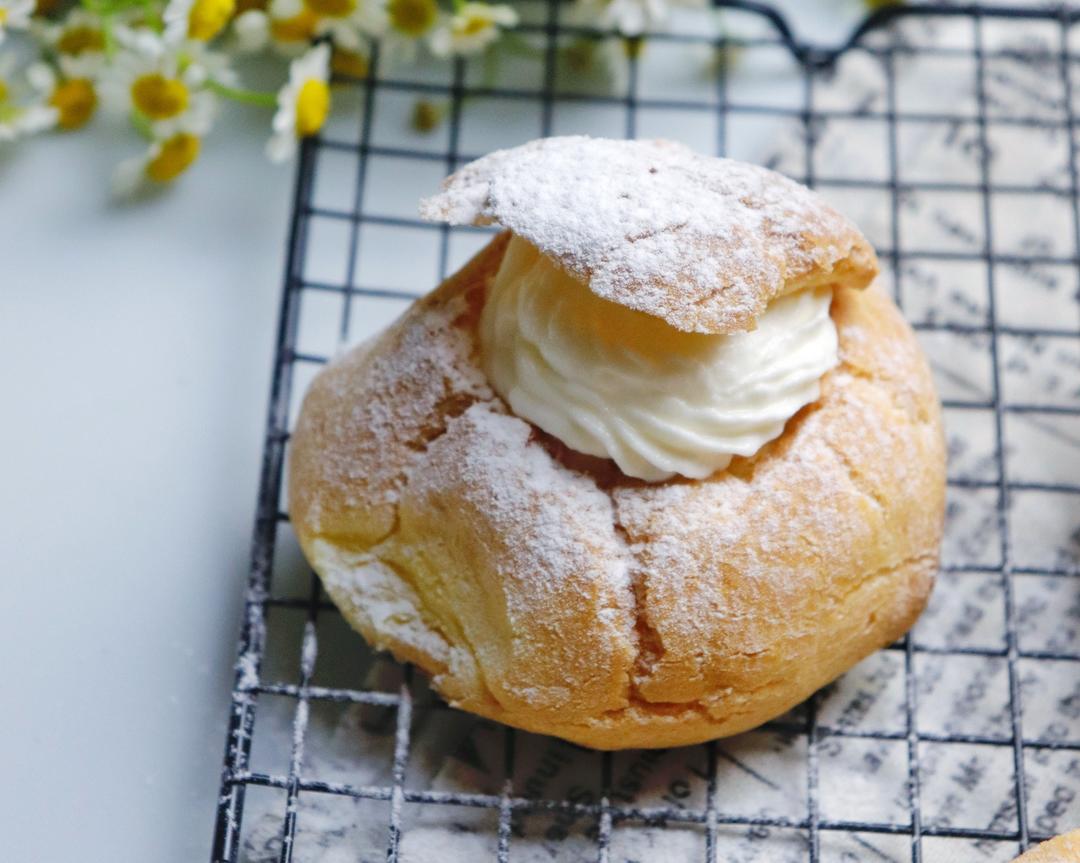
135, 347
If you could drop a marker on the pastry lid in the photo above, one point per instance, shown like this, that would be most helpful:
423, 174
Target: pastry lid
703, 243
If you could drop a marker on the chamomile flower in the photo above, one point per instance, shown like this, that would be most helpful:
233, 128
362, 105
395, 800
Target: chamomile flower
199, 20
290, 26
348, 23
303, 102
471, 28
74, 98
159, 82
21, 113
172, 150
164, 160
408, 23
15, 15
78, 40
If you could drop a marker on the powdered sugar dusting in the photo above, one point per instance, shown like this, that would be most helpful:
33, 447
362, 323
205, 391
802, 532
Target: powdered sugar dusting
702, 242
544, 511
544, 533
403, 385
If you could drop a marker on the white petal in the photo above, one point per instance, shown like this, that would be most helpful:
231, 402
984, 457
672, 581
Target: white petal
177, 10
284, 119
41, 77
440, 42
344, 34
285, 8
252, 30
198, 119
371, 17
86, 65
36, 118
281, 147
194, 75
504, 16
314, 64
176, 31
128, 176
163, 129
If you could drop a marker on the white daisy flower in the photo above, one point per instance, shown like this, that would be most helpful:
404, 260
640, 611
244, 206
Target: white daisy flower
199, 20
159, 81
290, 26
629, 17
21, 113
348, 23
78, 40
303, 102
74, 98
15, 15
471, 28
164, 160
173, 148
408, 22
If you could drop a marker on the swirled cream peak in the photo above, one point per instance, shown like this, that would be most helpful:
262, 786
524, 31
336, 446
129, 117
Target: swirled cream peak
613, 382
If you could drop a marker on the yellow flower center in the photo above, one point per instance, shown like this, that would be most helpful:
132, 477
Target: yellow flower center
3, 15
80, 39
312, 106
207, 17
331, 8
299, 28
75, 100
176, 154
4, 92
348, 64
472, 26
412, 17
159, 97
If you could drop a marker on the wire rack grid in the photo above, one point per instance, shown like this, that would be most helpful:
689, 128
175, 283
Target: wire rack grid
1026, 743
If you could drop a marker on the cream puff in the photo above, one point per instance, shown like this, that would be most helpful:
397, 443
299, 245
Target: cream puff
659, 462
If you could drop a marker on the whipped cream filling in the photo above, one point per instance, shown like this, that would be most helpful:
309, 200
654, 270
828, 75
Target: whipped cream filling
616, 383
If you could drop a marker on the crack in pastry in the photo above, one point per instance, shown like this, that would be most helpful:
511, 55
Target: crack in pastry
544, 587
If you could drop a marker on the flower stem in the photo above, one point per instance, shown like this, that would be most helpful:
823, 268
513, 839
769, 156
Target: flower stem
142, 125
239, 94
152, 16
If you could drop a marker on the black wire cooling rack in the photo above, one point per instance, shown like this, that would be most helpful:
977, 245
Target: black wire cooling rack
1013, 638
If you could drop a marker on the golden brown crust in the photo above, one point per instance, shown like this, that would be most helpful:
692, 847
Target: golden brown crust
1061, 849
703, 243
550, 592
